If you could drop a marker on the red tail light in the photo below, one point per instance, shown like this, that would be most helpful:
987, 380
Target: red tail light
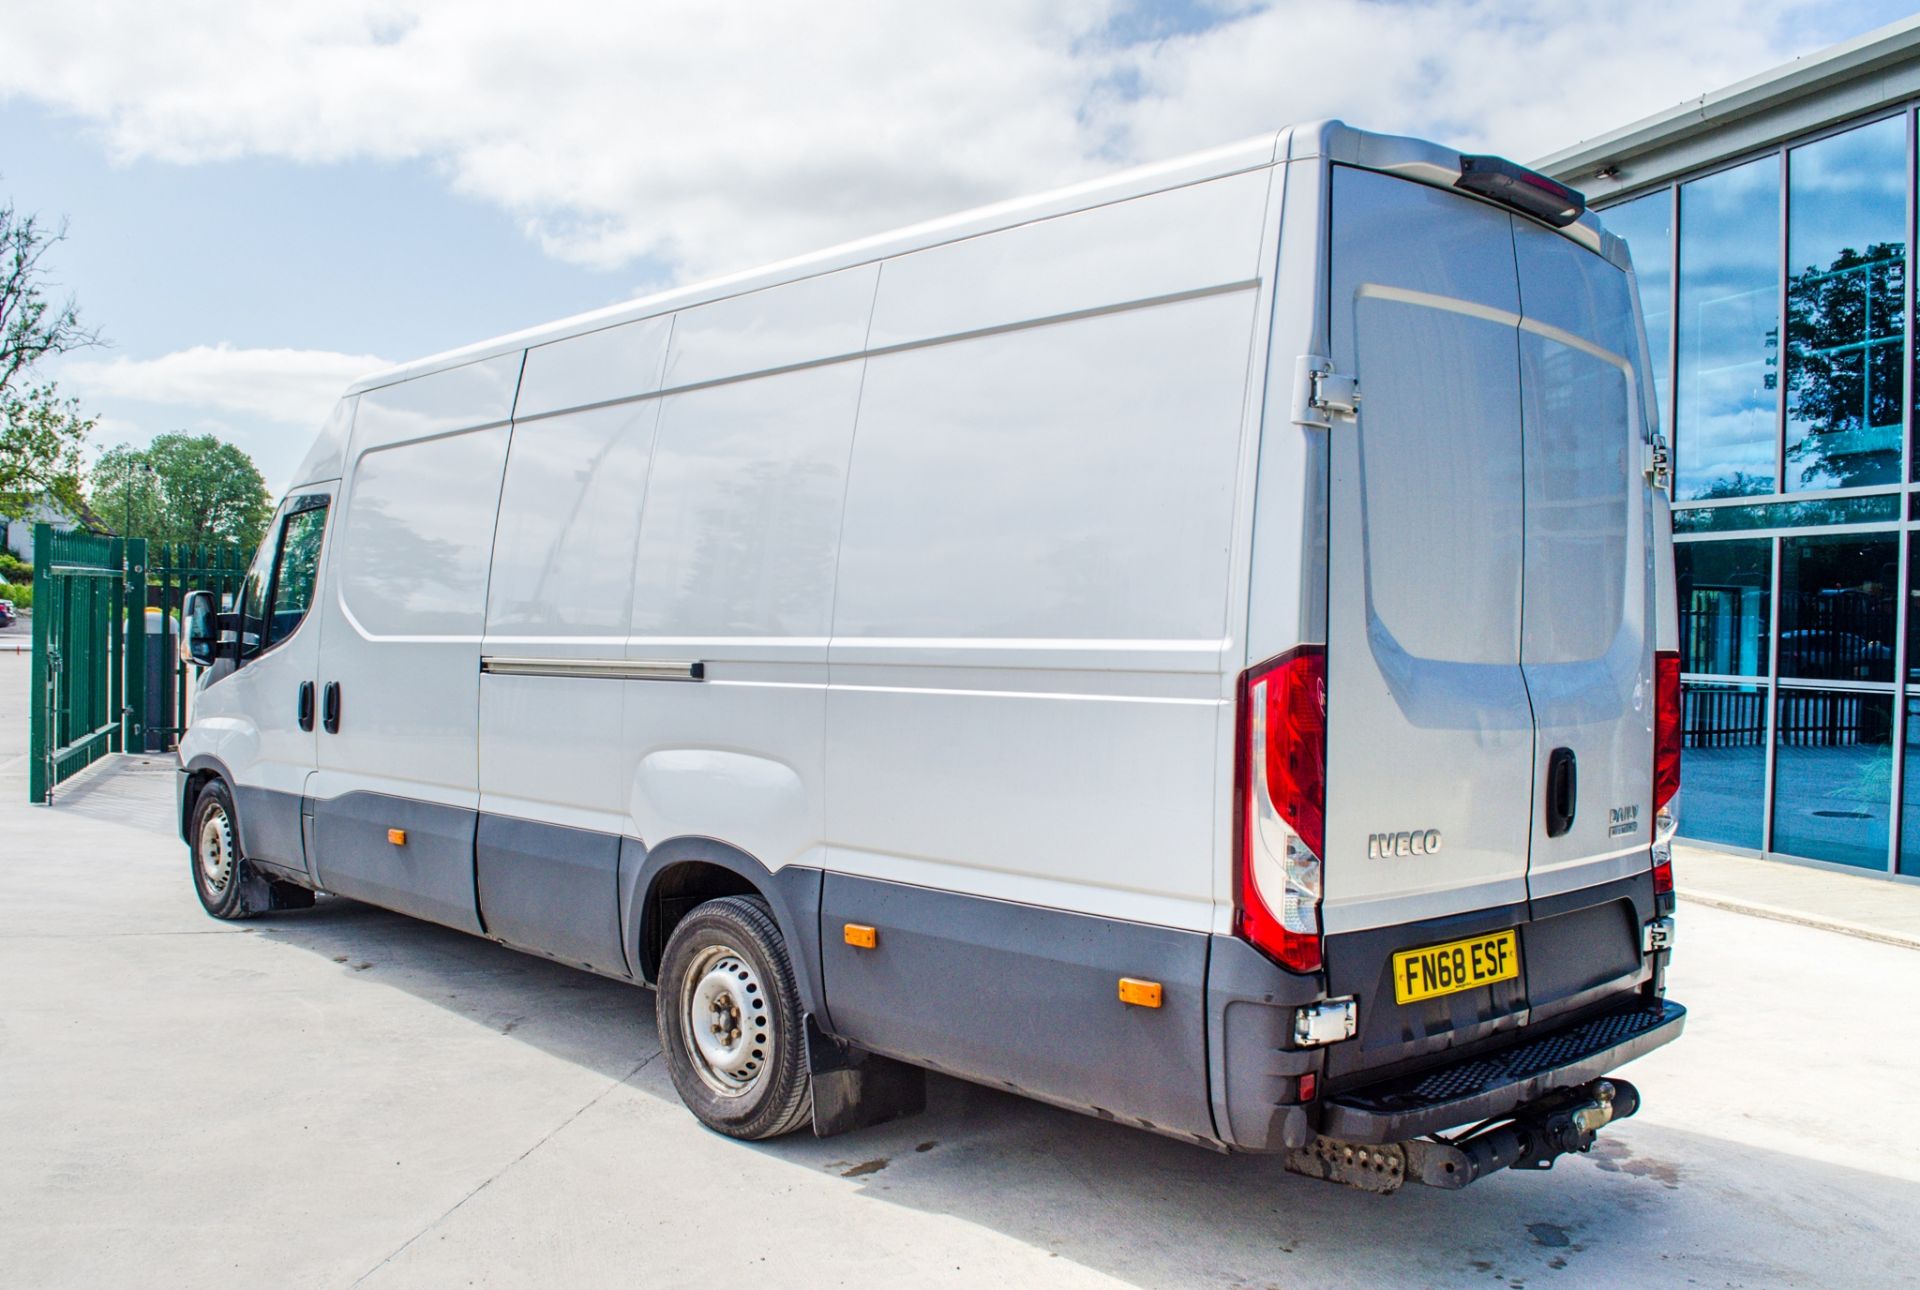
1666, 727
1281, 805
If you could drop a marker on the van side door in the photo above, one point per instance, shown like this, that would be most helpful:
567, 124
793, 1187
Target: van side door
395, 786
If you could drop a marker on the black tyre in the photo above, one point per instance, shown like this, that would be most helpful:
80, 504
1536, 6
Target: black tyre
730, 1021
221, 877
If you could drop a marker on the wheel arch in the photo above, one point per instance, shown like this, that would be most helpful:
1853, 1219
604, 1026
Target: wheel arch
662, 883
194, 777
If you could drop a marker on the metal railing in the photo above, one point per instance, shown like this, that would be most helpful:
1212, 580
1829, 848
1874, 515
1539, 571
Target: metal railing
91, 673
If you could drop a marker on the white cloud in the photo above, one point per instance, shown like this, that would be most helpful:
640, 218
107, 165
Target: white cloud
294, 387
715, 137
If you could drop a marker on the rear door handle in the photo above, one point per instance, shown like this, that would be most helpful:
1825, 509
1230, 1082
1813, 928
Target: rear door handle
306, 705
330, 707
1563, 791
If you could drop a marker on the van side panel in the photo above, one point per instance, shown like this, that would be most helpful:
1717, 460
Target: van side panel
402, 615
1030, 642
734, 570
1031, 615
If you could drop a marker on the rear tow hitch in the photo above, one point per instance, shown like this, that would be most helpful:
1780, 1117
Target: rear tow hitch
1534, 1137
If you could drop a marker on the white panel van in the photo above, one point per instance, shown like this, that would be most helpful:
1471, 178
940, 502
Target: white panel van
1195, 648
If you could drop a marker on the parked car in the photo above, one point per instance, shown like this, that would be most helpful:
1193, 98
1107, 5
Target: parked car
1830, 654
1090, 646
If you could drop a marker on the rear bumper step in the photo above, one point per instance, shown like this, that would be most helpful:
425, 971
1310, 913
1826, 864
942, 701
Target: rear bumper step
1494, 1084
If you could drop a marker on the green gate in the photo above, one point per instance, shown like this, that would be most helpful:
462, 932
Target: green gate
95, 600
174, 569
80, 708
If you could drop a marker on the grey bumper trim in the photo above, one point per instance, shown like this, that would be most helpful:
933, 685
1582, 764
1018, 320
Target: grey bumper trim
1431, 1101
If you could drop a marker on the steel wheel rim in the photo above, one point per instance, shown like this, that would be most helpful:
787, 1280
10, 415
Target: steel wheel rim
215, 852
726, 1021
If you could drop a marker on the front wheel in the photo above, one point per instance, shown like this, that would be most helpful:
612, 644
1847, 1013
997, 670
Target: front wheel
220, 876
730, 1021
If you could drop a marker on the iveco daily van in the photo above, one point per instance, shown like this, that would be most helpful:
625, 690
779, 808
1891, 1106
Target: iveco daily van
1195, 648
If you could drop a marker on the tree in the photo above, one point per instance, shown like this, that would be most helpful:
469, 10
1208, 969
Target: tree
1845, 329
183, 488
41, 437
40, 433
32, 327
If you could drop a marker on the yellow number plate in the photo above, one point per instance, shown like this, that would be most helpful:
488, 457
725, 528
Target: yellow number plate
1455, 966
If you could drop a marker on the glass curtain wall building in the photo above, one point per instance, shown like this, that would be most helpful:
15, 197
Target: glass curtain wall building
1775, 270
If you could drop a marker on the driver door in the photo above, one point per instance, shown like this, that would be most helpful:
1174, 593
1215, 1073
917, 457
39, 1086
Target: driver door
270, 701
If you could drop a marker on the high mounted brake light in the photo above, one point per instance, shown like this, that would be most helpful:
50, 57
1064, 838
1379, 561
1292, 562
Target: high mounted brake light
1527, 191
1281, 804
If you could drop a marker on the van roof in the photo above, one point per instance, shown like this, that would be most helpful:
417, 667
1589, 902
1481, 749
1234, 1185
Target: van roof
1409, 158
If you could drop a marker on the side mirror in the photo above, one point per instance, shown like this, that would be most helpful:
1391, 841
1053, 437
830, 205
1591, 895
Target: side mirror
200, 642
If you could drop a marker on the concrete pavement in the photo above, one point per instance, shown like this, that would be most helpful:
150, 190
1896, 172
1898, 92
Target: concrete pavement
1812, 896
342, 1096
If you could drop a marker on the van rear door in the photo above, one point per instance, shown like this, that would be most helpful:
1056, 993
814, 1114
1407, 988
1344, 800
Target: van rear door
1489, 696
1586, 645
1430, 744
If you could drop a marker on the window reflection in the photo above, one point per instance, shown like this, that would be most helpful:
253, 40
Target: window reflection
1910, 796
1729, 331
1647, 225
1846, 312
1781, 515
1837, 607
1723, 606
1833, 776
1723, 763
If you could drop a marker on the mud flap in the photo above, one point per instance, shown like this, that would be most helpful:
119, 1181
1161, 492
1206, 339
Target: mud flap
853, 1088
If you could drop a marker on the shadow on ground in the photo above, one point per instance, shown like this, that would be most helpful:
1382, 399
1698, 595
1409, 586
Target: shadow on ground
1654, 1201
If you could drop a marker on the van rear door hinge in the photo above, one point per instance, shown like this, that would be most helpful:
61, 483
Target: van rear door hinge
1320, 394
1659, 463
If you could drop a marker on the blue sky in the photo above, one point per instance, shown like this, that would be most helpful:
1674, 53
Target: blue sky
266, 201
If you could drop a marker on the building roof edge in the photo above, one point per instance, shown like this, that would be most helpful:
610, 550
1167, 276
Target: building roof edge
1859, 59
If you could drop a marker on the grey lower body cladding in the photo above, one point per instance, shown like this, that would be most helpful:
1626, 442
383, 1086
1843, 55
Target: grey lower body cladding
1026, 998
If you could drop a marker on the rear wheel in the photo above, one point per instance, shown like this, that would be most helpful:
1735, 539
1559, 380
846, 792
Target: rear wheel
220, 876
730, 1021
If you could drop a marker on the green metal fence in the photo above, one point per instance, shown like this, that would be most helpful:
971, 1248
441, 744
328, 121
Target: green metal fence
95, 601
173, 570
80, 598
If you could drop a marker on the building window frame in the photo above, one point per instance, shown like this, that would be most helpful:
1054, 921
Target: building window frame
1900, 688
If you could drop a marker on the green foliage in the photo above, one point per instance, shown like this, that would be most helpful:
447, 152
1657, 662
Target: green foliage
1844, 327
182, 488
41, 438
32, 327
20, 594
14, 569
40, 432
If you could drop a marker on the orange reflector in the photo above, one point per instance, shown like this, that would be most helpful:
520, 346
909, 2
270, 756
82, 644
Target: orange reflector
1141, 994
862, 937
1309, 1085
397, 836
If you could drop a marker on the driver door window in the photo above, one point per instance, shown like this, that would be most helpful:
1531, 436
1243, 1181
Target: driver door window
296, 568
279, 588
